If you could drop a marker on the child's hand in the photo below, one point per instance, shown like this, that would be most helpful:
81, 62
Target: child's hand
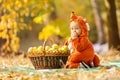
70, 45
74, 35
69, 40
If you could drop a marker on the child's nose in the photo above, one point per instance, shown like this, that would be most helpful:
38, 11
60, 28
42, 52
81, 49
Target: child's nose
74, 29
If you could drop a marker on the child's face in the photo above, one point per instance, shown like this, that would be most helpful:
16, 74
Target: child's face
75, 29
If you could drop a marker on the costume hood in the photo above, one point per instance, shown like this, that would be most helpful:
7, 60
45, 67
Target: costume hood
82, 23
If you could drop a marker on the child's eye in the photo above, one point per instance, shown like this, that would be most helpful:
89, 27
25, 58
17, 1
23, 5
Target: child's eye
72, 28
77, 28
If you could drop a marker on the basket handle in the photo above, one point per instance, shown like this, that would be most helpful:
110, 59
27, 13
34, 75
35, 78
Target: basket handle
44, 44
51, 41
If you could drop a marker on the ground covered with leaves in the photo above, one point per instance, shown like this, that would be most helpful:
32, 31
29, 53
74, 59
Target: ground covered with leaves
20, 68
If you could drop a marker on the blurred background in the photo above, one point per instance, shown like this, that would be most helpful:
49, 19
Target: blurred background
28, 23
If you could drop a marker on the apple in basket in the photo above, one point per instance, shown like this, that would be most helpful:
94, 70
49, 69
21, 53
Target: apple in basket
65, 48
50, 50
47, 48
35, 50
40, 49
32, 50
55, 47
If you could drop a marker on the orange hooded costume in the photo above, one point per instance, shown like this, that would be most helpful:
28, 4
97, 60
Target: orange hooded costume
83, 49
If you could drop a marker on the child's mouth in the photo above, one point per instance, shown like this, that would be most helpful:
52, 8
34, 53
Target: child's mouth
75, 34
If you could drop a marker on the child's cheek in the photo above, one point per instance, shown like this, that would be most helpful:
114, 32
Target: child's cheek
79, 32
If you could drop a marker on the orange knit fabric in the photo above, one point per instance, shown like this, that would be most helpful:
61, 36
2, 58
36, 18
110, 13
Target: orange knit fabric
83, 49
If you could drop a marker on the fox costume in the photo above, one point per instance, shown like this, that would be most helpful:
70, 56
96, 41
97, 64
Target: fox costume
82, 47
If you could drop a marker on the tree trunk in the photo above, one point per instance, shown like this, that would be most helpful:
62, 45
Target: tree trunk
52, 15
0, 13
99, 22
114, 40
2, 41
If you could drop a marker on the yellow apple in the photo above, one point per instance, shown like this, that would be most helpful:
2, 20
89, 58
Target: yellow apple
30, 50
34, 50
55, 46
65, 48
47, 48
40, 48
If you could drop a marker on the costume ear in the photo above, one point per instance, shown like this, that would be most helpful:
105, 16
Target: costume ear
87, 25
73, 16
84, 20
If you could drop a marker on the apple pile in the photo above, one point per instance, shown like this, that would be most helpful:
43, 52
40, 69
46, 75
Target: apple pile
53, 50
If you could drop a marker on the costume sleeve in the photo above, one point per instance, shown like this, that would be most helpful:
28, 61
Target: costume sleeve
75, 57
81, 44
66, 43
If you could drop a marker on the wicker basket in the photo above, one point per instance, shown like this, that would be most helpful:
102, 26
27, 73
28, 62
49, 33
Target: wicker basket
49, 60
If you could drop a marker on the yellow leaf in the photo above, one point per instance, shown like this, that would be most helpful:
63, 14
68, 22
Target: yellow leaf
38, 19
29, 27
21, 20
4, 18
48, 31
32, 14
22, 12
8, 7
2, 27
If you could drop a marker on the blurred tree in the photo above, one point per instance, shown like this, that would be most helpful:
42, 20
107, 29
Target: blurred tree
54, 16
99, 21
114, 39
54, 27
17, 15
